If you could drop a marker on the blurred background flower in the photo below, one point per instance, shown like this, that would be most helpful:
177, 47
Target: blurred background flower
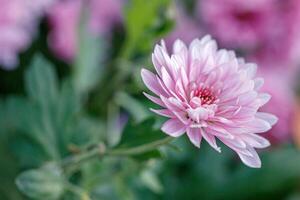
64, 19
18, 23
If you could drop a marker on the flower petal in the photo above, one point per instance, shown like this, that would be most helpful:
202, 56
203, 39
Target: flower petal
163, 112
255, 140
194, 136
251, 161
271, 119
151, 82
211, 140
154, 99
173, 127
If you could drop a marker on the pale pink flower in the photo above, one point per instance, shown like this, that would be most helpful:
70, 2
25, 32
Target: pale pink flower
210, 93
18, 22
64, 19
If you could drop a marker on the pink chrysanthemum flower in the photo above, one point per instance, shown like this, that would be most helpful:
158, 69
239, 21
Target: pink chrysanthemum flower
210, 93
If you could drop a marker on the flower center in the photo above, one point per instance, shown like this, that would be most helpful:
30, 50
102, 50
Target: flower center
202, 105
206, 95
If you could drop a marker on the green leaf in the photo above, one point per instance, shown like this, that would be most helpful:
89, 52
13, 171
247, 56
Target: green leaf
88, 62
145, 21
137, 110
150, 179
43, 183
41, 82
139, 134
86, 131
114, 125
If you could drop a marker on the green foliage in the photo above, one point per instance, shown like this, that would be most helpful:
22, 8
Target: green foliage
221, 176
138, 134
66, 110
88, 63
137, 110
145, 21
43, 183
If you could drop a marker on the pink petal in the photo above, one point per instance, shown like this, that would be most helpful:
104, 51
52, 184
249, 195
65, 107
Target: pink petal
258, 126
251, 161
176, 107
179, 47
154, 99
271, 119
255, 140
263, 98
211, 140
194, 136
168, 81
219, 132
163, 112
258, 83
173, 127
151, 82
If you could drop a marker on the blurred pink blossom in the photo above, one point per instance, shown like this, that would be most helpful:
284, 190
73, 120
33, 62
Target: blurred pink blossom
18, 22
210, 93
64, 20
238, 23
281, 104
268, 30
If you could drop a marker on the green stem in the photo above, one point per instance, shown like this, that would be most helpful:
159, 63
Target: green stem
140, 149
100, 151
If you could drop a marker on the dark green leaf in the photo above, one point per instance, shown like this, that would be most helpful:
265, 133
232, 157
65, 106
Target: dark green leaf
138, 134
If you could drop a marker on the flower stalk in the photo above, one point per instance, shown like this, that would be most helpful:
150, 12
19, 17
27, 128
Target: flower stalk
100, 151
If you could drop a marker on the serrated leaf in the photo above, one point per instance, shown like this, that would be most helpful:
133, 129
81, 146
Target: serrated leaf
43, 183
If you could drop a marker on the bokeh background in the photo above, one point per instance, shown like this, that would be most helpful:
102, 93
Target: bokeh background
70, 79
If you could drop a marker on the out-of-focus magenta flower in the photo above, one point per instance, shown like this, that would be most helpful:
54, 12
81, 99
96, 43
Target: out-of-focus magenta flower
238, 23
282, 48
64, 19
105, 14
210, 93
282, 104
269, 29
18, 21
